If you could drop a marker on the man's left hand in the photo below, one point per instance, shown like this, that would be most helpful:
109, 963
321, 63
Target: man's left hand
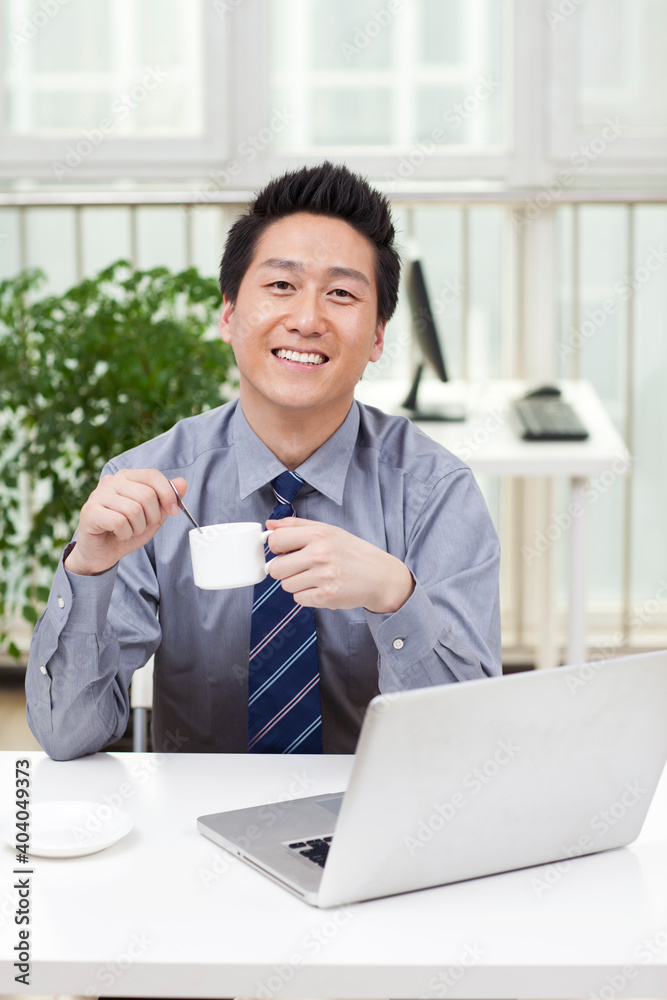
327, 567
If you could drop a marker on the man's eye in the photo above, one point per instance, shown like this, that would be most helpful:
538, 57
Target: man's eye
342, 293
282, 285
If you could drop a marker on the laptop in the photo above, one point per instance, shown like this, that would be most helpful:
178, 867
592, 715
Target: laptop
464, 780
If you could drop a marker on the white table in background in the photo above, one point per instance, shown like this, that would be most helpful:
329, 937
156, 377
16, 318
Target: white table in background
488, 443
167, 913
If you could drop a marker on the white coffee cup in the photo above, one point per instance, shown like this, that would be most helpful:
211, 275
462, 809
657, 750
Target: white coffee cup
228, 555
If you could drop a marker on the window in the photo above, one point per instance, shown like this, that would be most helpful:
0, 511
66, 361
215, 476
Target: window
609, 69
108, 88
360, 76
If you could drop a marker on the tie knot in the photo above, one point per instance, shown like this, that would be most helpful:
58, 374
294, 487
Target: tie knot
286, 486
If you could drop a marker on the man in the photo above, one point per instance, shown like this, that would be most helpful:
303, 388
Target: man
388, 574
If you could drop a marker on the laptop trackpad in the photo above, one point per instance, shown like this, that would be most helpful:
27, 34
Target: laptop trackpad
332, 804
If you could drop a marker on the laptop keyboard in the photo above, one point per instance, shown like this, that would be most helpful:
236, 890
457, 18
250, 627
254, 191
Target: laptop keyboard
315, 849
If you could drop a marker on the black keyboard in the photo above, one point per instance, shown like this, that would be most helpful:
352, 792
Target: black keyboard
315, 849
543, 418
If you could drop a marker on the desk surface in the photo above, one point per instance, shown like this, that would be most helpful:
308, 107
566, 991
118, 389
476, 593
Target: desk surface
165, 912
487, 441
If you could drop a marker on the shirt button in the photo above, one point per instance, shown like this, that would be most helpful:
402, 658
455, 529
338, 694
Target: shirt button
42, 670
397, 644
61, 602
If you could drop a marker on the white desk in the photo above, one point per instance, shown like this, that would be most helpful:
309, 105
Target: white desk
166, 913
490, 446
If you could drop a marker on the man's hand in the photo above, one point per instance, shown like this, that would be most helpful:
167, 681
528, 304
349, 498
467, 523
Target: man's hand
327, 567
119, 516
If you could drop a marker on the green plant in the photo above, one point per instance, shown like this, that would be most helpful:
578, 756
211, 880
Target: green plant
116, 360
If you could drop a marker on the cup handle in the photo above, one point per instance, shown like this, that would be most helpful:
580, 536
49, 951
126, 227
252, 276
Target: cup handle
264, 536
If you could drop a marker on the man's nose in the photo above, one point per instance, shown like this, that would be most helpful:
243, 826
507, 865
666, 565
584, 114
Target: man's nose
307, 314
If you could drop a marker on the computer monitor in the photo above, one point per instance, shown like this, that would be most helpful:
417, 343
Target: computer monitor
425, 334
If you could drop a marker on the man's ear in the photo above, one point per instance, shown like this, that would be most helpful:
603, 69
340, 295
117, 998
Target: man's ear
378, 343
224, 321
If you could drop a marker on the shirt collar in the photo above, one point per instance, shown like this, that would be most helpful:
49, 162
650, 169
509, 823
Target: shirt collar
325, 470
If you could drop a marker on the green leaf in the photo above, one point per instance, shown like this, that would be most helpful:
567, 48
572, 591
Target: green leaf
29, 613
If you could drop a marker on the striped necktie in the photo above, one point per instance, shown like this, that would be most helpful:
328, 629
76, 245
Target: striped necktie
284, 713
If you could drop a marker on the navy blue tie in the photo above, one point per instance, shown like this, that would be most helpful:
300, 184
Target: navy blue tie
284, 714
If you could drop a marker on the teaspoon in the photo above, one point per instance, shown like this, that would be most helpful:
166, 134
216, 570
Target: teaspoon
183, 507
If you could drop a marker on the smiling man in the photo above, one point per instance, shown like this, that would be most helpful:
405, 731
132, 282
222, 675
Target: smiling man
386, 568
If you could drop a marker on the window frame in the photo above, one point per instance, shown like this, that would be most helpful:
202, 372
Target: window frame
626, 155
540, 127
142, 159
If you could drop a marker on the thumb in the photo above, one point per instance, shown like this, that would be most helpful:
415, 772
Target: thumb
287, 522
180, 485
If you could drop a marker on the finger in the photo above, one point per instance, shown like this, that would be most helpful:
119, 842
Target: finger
159, 483
126, 510
180, 485
290, 539
312, 598
299, 582
289, 564
96, 519
137, 501
291, 522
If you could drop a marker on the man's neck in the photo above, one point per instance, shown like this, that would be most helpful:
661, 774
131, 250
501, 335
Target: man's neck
293, 436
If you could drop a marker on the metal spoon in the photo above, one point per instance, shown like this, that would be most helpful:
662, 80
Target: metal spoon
183, 507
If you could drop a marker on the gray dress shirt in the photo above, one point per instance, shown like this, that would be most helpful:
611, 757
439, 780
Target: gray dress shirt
379, 478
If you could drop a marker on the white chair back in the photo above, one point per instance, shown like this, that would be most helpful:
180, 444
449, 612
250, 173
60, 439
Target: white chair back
141, 700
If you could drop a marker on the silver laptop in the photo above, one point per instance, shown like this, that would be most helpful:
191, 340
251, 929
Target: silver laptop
463, 780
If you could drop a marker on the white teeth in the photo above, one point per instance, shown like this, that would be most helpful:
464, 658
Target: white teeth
304, 359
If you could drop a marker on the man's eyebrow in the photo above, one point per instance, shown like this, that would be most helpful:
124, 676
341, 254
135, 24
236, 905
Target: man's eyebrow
332, 272
348, 272
283, 264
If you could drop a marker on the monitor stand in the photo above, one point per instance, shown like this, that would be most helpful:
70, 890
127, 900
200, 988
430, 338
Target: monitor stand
444, 411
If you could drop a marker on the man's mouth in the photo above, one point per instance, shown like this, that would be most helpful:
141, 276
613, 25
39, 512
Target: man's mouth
313, 358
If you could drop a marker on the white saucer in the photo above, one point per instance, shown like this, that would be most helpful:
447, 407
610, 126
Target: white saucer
68, 829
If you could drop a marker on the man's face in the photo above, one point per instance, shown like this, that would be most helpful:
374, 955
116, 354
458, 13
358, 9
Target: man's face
304, 325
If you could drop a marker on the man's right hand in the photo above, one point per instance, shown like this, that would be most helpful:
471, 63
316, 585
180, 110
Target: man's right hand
120, 516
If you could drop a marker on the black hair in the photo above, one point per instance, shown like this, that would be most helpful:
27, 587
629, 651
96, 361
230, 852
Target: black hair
328, 190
